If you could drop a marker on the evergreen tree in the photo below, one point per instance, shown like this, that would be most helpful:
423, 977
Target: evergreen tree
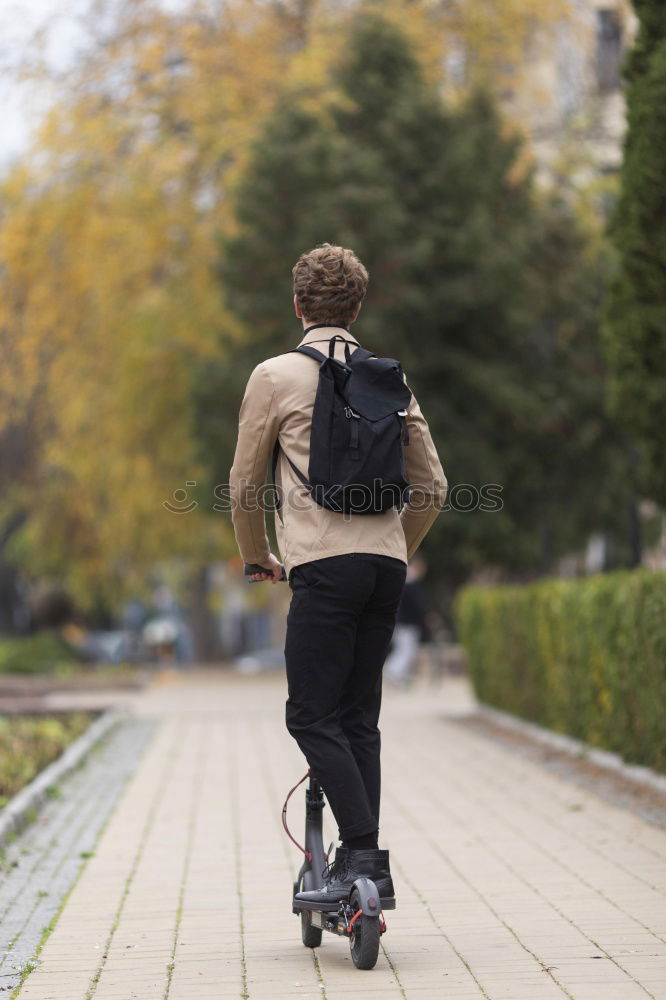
434, 203
635, 312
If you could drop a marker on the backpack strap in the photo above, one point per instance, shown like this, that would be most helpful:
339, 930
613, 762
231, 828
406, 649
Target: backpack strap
404, 430
301, 477
331, 346
311, 352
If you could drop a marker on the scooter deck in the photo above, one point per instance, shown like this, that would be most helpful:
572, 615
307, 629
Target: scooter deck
386, 903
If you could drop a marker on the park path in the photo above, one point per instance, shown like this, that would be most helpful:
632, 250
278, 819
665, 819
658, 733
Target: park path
512, 883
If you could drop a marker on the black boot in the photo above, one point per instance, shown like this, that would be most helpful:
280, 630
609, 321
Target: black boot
333, 867
372, 864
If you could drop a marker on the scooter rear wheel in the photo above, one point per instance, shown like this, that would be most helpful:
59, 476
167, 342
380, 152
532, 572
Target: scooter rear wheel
364, 937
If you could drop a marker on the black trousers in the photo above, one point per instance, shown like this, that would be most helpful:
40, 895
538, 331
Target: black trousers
339, 628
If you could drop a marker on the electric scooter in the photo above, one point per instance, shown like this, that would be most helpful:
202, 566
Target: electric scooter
360, 918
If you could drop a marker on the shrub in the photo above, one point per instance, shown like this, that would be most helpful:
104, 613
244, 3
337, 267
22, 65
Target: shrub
583, 657
29, 743
44, 652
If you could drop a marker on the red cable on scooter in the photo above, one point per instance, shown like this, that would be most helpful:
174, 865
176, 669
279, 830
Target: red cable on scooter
307, 854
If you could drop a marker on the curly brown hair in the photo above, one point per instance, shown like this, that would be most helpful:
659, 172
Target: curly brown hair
329, 283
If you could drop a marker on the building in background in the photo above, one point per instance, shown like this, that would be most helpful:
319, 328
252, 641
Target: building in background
568, 93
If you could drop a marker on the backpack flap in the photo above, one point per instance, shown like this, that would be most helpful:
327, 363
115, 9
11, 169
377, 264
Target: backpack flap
376, 387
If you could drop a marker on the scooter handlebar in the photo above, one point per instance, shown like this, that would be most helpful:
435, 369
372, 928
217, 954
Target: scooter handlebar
250, 568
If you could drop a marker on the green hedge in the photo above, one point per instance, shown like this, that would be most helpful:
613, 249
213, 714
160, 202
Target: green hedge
42, 653
583, 657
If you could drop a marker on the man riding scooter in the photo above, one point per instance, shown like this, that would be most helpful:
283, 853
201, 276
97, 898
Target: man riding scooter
359, 484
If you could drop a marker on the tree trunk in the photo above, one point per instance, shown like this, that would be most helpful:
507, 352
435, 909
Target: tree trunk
205, 639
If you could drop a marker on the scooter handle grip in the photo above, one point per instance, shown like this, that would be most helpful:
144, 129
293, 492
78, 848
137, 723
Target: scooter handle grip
250, 568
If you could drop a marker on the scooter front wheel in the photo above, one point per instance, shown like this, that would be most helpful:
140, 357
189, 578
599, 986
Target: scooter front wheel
364, 936
311, 935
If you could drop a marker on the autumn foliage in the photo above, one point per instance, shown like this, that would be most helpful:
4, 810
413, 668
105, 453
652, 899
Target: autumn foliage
111, 304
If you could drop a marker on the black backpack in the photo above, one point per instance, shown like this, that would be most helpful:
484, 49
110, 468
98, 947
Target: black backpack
358, 431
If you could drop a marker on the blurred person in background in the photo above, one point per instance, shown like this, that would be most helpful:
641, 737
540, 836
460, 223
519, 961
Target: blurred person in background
410, 626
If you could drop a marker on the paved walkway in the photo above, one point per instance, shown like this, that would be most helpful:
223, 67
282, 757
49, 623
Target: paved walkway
512, 883
39, 867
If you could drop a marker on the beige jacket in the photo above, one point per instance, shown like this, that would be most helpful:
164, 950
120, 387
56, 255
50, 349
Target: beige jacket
278, 403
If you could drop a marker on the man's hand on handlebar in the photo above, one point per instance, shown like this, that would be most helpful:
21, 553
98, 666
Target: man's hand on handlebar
272, 570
